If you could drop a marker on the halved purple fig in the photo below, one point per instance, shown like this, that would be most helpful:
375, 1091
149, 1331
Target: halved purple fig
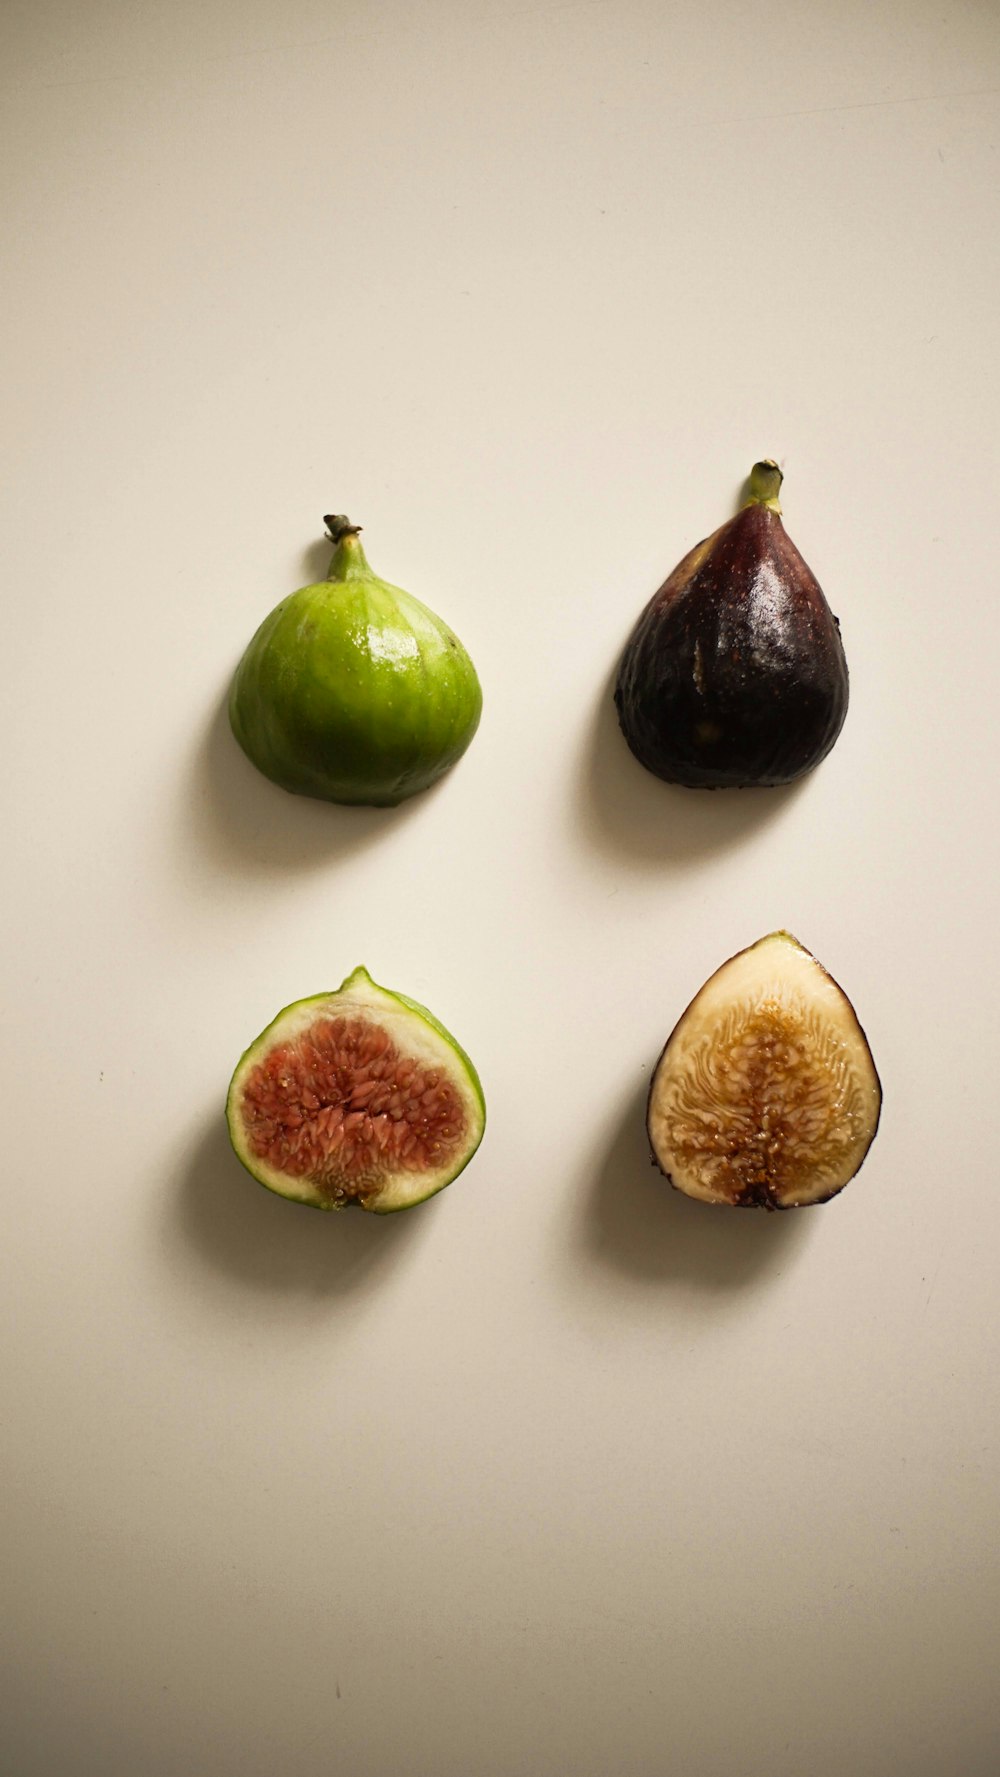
766, 1094
356, 1098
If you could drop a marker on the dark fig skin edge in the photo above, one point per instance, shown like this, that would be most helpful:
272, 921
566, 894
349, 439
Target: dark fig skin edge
735, 674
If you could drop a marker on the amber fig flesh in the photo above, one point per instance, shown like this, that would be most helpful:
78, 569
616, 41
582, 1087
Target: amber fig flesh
766, 1094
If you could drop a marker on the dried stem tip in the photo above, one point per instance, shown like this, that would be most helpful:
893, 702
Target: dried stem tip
337, 527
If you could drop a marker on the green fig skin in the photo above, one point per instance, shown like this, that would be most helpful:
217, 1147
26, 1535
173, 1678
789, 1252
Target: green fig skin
352, 691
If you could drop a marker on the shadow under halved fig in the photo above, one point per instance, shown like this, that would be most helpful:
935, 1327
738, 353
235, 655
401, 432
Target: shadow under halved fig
637, 1222
625, 809
243, 820
240, 1228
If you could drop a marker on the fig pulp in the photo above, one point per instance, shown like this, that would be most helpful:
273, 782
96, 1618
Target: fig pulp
352, 690
735, 673
766, 1093
356, 1098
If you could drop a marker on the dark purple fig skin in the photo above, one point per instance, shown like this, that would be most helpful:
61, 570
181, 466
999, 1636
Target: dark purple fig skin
735, 674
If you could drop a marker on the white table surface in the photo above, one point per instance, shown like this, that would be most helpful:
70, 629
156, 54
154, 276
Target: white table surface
560, 1475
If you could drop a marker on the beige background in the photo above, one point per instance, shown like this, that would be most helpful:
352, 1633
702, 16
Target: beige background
561, 1474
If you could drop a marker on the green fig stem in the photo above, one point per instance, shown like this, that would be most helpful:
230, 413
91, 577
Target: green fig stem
349, 559
764, 484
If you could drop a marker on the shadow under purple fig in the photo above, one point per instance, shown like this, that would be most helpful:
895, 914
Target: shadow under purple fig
625, 811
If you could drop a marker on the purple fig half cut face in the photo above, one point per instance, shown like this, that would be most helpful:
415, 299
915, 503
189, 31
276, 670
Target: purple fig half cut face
766, 1094
357, 1098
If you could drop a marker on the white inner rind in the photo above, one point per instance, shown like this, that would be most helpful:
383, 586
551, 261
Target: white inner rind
361, 997
767, 1077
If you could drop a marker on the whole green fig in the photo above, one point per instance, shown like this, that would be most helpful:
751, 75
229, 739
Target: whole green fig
352, 690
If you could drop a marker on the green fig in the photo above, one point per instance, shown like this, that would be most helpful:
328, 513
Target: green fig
355, 1099
352, 690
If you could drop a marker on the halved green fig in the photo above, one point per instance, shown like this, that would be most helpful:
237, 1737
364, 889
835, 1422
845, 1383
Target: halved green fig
766, 1093
352, 690
735, 674
356, 1098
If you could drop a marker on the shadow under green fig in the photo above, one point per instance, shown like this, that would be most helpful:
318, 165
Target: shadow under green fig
315, 562
243, 820
237, 1227
636, 1222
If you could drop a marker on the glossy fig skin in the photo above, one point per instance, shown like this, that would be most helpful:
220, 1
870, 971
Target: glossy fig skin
352, 691
735, 674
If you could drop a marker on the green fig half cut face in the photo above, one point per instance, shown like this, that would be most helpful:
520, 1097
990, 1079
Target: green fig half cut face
766, 1094
357, 1098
